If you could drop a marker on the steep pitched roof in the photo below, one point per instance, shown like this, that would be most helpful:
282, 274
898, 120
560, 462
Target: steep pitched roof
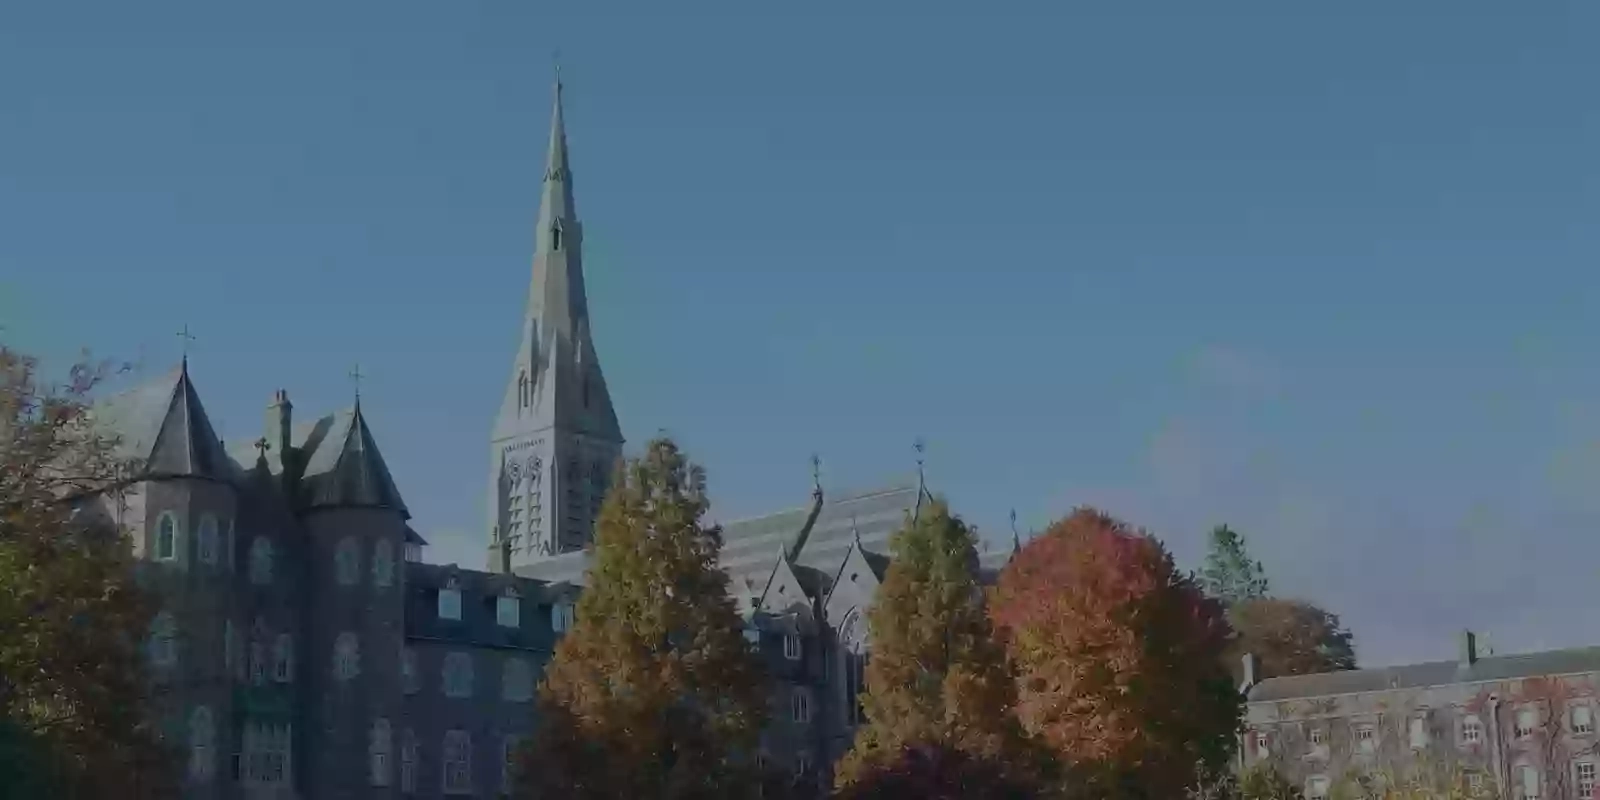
162, 425
1433, 673
344, 467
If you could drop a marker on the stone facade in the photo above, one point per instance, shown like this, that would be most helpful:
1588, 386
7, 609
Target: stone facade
306, 651
1519, 726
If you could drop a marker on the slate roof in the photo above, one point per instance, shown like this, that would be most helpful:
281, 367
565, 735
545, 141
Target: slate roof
749, 544
479, 593
1434, 673
162, 425
344, 467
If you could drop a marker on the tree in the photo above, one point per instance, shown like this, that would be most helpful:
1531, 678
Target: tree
75, 711
1259, 782
934, 772
1120, 657
1229, 574
937, 676
1289, 637
654, 691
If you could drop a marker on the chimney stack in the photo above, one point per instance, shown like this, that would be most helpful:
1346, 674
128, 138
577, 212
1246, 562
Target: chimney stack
1469, 649
280, 420
1252, 668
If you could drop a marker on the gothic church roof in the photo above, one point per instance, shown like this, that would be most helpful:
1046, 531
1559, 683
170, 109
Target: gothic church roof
162, 425
344, 467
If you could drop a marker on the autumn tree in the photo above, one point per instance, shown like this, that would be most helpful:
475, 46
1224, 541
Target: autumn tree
1259, 782
75, 709
935, 772
654, 691
937, 676
1120, 658
1289, 637
1230, 575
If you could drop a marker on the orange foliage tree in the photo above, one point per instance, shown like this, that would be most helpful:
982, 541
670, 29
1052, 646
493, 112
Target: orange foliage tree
1119, 658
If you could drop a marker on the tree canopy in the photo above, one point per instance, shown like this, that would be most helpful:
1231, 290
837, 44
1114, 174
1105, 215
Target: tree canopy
1290, 637
74, 697
654, 691
1230, 575
1120, 658
936, 772
937, 675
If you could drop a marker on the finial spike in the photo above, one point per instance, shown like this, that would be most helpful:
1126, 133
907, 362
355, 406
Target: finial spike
816, 471
355, 381
186, 337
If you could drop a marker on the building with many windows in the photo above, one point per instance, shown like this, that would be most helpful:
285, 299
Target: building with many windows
309, 653
1521, 726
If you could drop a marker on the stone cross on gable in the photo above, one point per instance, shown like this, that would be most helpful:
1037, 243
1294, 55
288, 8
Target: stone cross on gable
262, 446
186, 338
355, 379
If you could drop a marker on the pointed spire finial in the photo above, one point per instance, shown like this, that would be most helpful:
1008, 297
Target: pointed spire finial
921, 447
855, 530
186, 337
355, 381
1016, 538
816, 472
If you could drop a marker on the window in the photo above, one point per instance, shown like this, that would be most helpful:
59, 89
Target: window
261, 561
516, 681
802, 764
1366, 738
752, 635
561, 617
1584, 772
856, 686
508, 610
163, 640
509, 746
1474, 781
1317, 787
791, 647
1528, 782
1582, 720
457, 766
1418, 733
800, 704
265, 753
166, 537
1263, 745
202, 744
458, 675
408, 761
283, 658
1471, 730
258, 657
346, 657
409, 676
555, 235
1527, 720
347, 562
450, 601
383, 564
378, 752
208, 539
1318, 738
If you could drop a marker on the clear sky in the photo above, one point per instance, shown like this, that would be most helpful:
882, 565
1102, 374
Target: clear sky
1327, 273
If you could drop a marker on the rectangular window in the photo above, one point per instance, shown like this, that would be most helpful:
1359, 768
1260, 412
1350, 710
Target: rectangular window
1582, 720
1471, 730
508, 612
1528, 783
1263, 748
800, 704
1367, 738
1419, 733
1585, 774
1317, 787
457, 763
1474, 781
1527, 720
450, 603
561, 617
791, 647
1317, 737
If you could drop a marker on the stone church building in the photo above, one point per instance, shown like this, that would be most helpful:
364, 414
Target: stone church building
308, 652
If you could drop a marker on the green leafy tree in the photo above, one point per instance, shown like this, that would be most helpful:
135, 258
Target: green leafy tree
1289, 637
934, 772
1120, 658
1259, 782
938, 675
654, 691
75, 705
1229, 574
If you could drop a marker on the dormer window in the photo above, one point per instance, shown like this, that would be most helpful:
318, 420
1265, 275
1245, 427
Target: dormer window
450, 601
508, 609
561, 617
791, 647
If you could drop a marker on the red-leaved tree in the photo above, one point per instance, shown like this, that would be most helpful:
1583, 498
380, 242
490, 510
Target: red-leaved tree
1119, 658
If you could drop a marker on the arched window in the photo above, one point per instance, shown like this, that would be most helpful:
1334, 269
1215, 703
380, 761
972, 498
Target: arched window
457, 675
167, 537
378, 752
259, 667
555, 235
382, 564
202, 744
283, 658
208, 539
163, 640
346, 657
516, 681
852, 638
410, 679
261, 561
347, 562
457, 762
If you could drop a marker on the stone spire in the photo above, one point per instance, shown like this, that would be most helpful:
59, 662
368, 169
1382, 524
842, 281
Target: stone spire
556, 426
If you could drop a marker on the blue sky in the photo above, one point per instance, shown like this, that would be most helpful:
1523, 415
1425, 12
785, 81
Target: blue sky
1325, 273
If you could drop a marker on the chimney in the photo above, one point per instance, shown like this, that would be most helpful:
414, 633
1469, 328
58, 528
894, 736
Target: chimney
1469, 649
1252, 669
280, 420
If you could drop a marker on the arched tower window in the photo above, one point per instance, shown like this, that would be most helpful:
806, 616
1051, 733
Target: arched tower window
382, 564
522, 389
555, 235
208, 539
167, 537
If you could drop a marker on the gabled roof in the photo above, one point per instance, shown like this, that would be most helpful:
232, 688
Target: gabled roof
344, 468
163, 426
1434, 673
